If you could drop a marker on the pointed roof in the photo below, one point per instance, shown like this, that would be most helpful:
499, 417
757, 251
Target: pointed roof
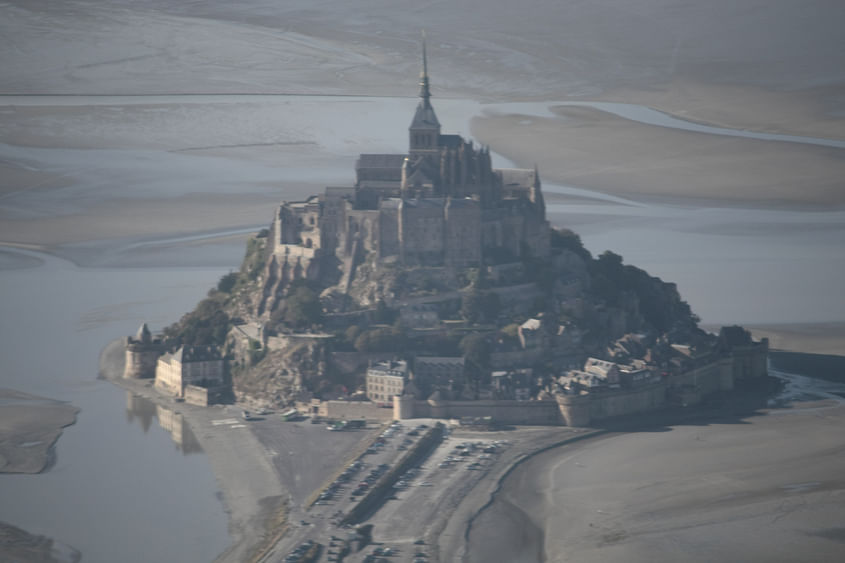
425, 92
425, 118
143, 334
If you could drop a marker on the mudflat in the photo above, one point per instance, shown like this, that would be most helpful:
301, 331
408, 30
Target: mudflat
29, 426
19, 545
595, 150
766, 487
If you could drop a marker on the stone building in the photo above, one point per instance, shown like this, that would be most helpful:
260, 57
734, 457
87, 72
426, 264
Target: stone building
439, 373
142, 351
386, 379
190, 366
439, 204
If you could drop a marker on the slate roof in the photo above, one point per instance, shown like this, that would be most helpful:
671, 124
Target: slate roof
143, 334
522, 177
380, 161
424, 117
450, 141
187, 354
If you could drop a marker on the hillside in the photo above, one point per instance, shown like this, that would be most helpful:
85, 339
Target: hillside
318, 336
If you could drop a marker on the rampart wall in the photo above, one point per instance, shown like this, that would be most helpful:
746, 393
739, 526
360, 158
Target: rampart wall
195, 395
586, 408
503, 412
346, 410
707, 379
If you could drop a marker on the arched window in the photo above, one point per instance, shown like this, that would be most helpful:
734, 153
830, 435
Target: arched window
308, 243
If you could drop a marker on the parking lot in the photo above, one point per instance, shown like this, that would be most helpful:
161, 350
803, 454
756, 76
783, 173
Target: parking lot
320, 523
410, 524
426, 493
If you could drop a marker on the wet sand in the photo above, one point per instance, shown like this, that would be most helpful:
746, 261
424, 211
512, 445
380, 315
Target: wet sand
29, 428
766, 487
595, 150
811, 338
19, 545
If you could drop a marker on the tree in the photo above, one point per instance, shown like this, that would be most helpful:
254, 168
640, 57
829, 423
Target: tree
476, 352
206, 325
227, 282
569, 240
384, 314
384, 339
480, 306
302, 308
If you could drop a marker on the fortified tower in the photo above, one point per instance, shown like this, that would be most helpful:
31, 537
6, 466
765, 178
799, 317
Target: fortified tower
142, 353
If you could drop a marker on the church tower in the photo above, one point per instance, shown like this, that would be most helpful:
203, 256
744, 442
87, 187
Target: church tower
424, 131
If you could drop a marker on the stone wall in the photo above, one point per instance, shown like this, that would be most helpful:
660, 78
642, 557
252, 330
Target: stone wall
710, 378
169, 376
587, 408
346, 410
140, 360
629, 401
195, 395
503, 412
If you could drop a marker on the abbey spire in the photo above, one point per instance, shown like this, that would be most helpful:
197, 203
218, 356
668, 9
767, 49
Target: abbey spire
425, 91
424, 132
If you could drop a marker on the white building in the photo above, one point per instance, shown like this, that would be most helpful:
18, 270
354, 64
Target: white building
201, 366
386, 379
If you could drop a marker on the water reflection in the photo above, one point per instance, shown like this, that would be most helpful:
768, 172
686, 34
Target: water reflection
171, 421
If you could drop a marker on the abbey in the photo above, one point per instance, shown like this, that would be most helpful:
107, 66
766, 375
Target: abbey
440, 204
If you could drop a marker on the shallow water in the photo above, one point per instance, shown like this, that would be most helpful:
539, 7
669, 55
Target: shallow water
116, 473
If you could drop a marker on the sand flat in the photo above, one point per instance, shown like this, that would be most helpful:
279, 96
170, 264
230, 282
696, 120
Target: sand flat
29, 426
811, 338
591, 149
767, 487
811, 112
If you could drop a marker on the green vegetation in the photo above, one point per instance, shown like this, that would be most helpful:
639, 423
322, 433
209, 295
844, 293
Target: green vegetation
206, 325
256, 256
382, 339
480, 306
476, 350
227, 282
659, 302
302, 308
565, 239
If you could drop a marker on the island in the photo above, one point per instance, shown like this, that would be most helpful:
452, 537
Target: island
430, 296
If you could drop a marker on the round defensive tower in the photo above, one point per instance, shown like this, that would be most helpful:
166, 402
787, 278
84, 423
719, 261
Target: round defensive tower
403, 406
575, 409
142, 352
